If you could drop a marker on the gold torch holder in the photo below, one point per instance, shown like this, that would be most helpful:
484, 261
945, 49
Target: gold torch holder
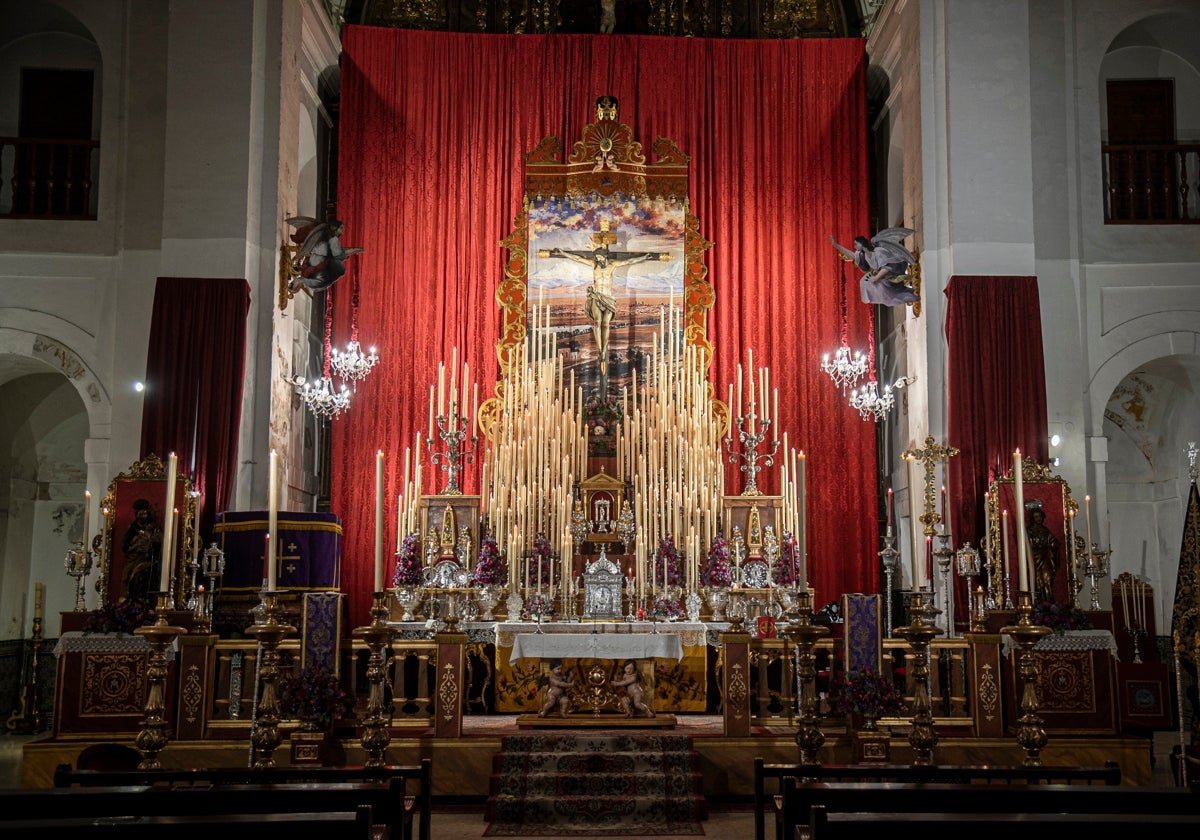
264, 737
159, 636
377, 635
1031, 733
804, 634
921, 737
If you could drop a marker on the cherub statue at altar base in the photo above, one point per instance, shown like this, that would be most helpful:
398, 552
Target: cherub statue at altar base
634, 699
556, 691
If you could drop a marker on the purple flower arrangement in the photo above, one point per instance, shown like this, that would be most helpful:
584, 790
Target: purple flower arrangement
408, 562
541, 562
717, 571
537, 606
667, 608
667, 555
784, 572
490, 567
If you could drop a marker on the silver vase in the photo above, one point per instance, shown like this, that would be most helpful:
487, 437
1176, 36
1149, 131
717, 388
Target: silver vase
718, 597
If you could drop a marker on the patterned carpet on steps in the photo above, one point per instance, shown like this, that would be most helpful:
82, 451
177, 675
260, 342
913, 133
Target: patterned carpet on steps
599, 784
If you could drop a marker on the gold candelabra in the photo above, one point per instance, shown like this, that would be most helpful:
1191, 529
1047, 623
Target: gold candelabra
264, 737
377, 635
919, 634
1031, 733
159, 636
805, 635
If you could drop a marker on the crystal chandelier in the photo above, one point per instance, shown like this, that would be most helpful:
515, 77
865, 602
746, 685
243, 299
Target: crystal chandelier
320, 397
871, 404
844, 370
352, 364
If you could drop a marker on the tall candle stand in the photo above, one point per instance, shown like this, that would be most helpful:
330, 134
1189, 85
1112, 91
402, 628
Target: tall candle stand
749, 454
453, 432
1031, 733
159, 636
891, 562
79, 564
919, 634
968, 563
1007, 600
378, 636
944, 554
264, 737
1096, 566
804, 634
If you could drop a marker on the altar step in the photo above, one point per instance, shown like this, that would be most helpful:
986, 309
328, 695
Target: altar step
581, 720
621, 781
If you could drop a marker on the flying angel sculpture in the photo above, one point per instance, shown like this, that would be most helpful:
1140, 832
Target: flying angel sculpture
884, 263
321, 259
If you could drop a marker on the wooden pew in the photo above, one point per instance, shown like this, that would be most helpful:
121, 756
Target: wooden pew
784, 776
398, 794
996, 825
352, 825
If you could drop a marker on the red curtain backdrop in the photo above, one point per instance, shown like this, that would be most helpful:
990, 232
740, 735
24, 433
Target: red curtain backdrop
434, 128
996, 388
194, 369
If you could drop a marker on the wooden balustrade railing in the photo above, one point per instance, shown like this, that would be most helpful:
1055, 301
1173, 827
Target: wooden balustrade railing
773, 677
1151, 184
46, 178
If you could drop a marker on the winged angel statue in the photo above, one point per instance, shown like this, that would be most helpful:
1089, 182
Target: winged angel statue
321, 259
884, 263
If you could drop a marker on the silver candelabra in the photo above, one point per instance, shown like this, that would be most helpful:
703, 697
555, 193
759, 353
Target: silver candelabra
1096, 566
79, 563
749, 454
453, 432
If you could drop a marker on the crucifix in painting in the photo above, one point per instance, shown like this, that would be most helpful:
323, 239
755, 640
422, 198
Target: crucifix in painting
601, 304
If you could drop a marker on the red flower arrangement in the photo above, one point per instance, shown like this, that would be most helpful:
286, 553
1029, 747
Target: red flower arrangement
408, 562
121, 617
866, 693
315, 696
717, 571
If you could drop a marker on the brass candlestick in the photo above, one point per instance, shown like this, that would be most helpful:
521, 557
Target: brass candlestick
159, 636
378, 635
805, 634
264, 736
919, 634
1031, 733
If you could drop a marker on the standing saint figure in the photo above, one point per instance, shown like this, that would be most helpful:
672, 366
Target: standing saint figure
1043, 547
601, 304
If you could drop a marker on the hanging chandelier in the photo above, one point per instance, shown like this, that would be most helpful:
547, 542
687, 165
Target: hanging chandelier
873, 405
352, 364
321, 398
319, 395
844, 370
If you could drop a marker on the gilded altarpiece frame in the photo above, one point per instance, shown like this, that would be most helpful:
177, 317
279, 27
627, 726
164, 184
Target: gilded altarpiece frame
606, 197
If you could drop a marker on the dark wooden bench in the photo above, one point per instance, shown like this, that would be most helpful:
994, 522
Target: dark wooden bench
771, 781
995, 825
399, 795
352, 825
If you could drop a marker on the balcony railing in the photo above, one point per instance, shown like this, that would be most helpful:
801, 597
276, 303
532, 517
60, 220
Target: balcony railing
1152, 184
47, 179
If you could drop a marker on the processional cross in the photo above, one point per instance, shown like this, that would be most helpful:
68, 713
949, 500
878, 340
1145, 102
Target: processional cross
929, 455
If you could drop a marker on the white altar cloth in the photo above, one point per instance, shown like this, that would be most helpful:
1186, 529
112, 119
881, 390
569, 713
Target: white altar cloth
596, 646
76, 641
1069, 640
